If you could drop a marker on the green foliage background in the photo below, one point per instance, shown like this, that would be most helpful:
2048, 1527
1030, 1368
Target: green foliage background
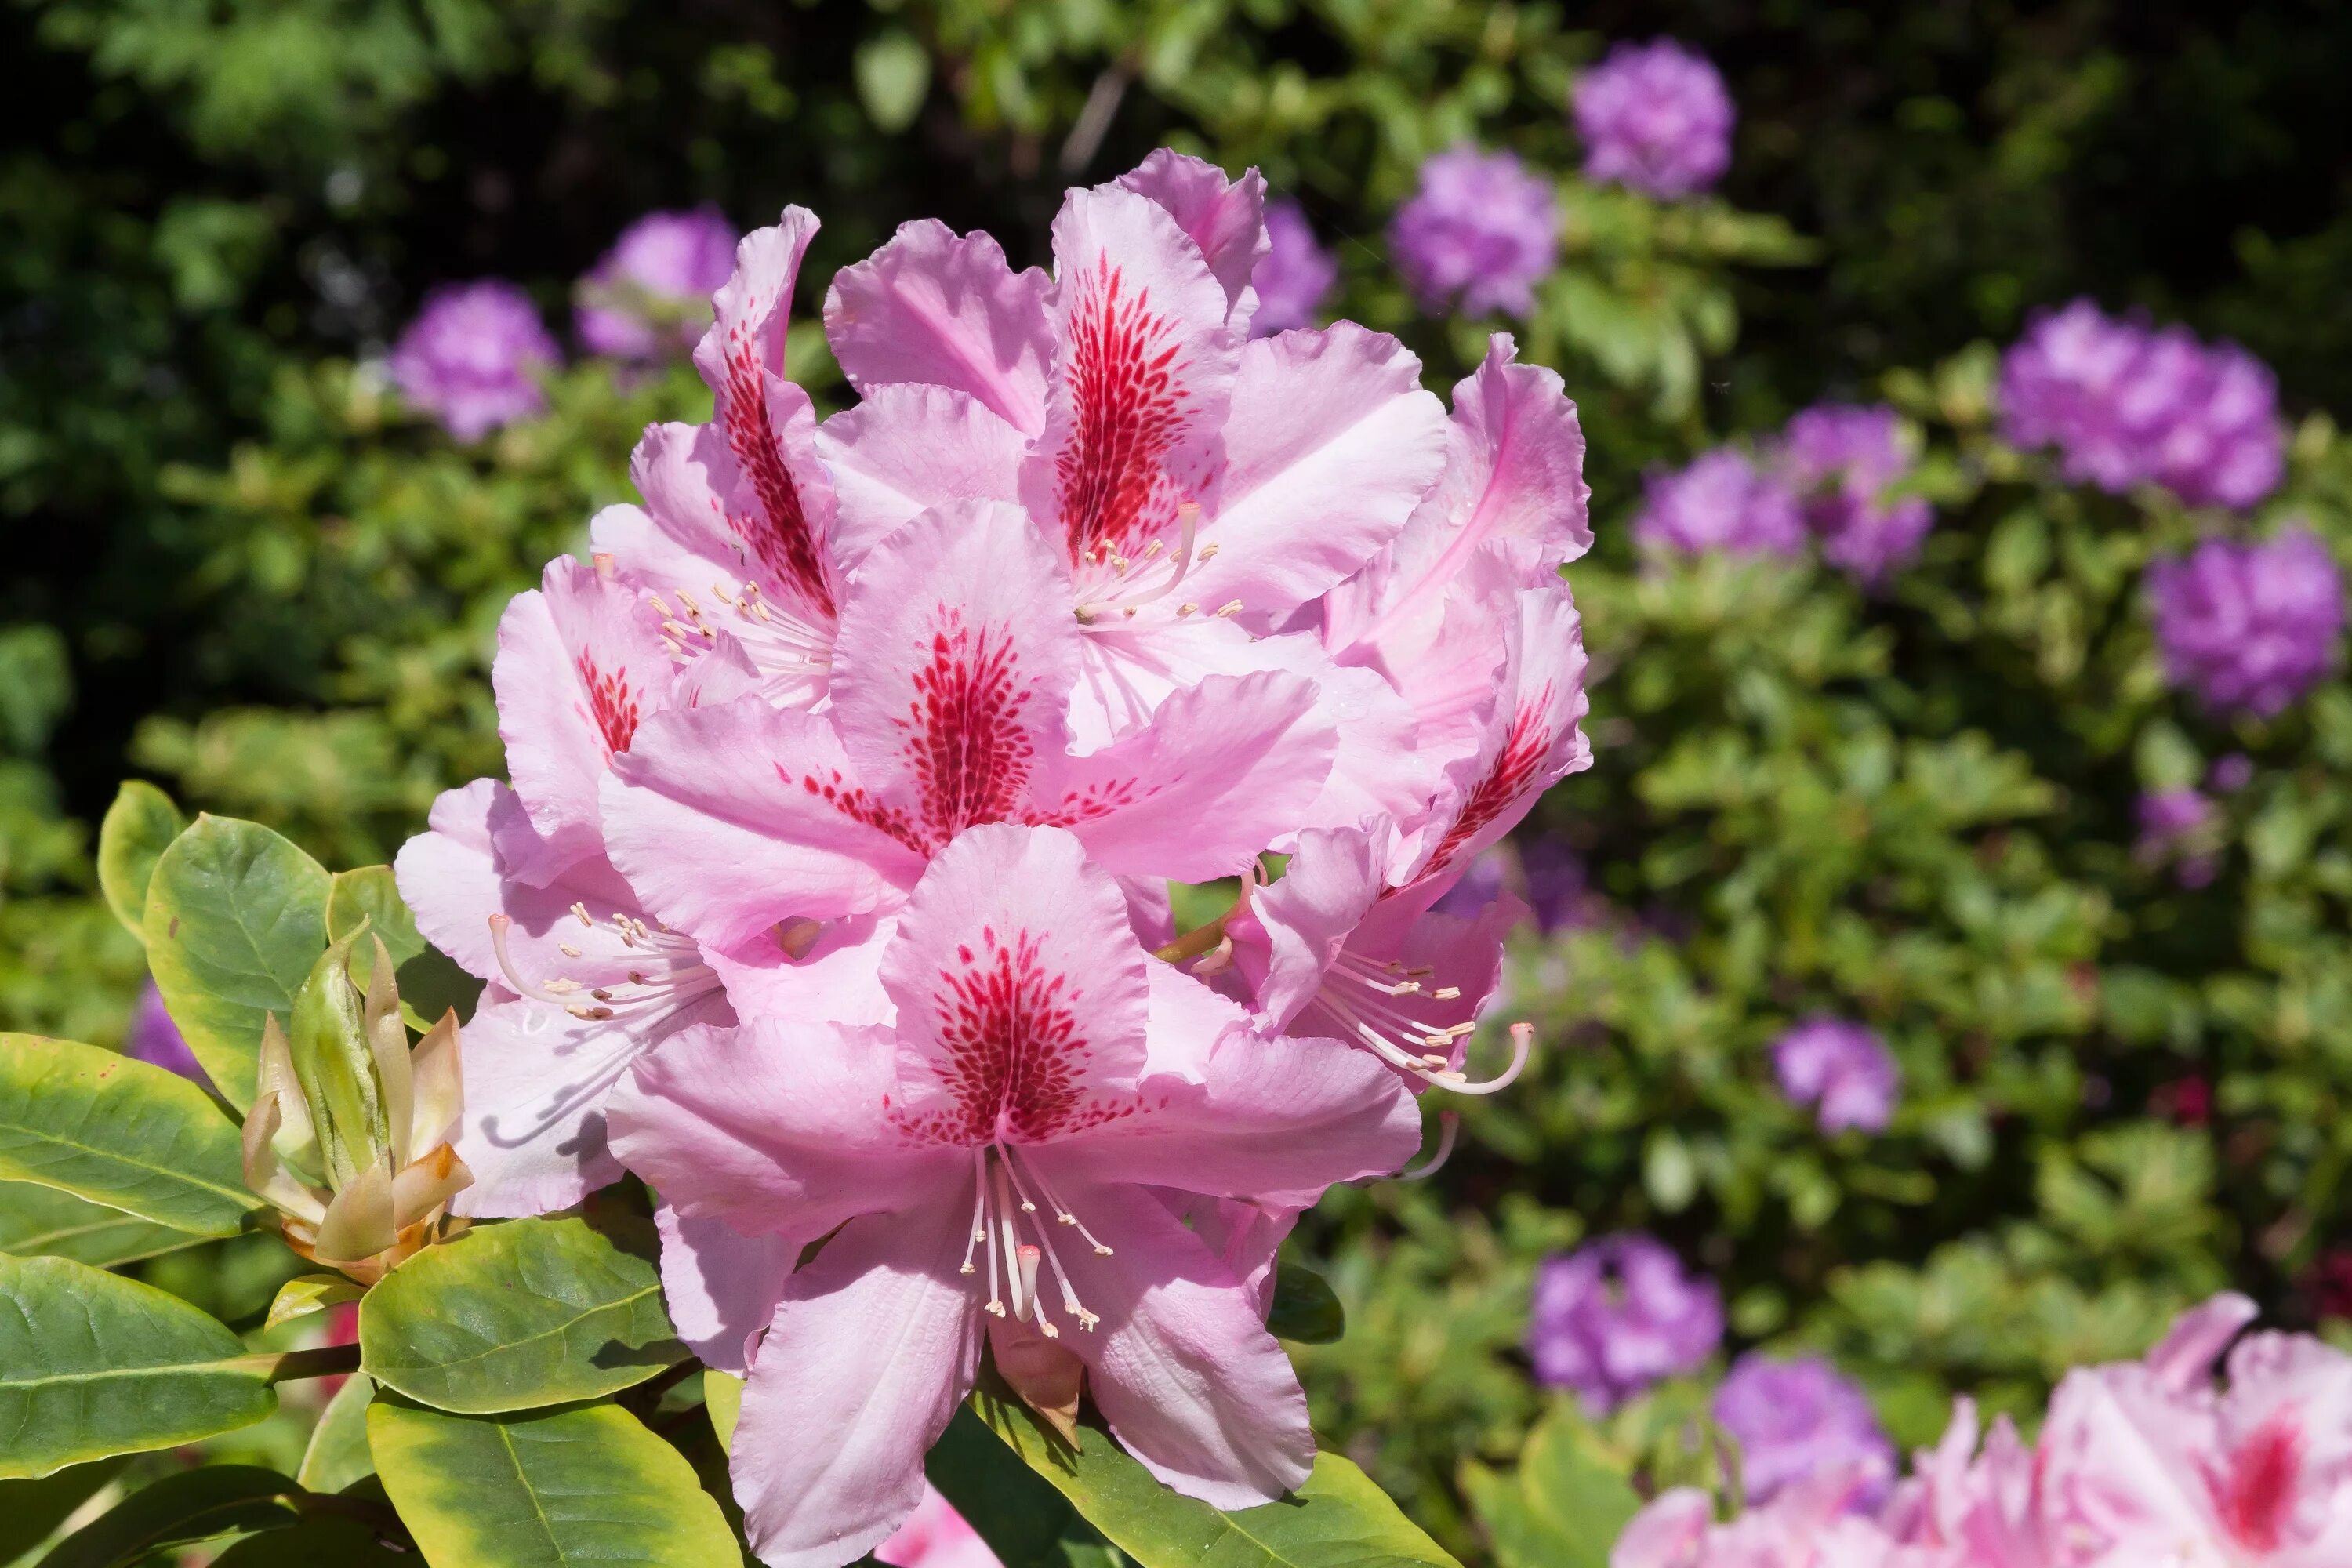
238, 567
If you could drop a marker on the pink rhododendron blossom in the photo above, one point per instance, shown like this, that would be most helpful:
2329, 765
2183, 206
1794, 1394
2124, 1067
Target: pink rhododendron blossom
1039, 1063
513, 883
936, 1536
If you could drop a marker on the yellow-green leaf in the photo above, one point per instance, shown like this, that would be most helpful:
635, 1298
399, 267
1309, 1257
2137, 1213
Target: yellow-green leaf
139, 826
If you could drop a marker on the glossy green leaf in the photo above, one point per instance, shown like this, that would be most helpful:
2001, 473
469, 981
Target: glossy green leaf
193, 1505
1024, 1521
1304, 1311
321, 1540
545, 1489
235, 918
722, 1400
308, 1293
1338, 1519
42, 1222
93, 1364
338, 1453
1566, 1504
119, 1132
31, 1510
369, 895
139, 826
522, 1314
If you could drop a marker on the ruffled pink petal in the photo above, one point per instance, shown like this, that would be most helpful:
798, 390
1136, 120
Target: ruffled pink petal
764, 469
1221, 771
1669, 1532
1294, 928
909, 449
872, 1348
1242, 1115
727, 820
1142, 375
778, 1127
539, 1083
2185, 1359
1245, 1237
945, 310
2119, 1455
1182, 1366
831, 973
1226, 218
722, 1286
580, 666
956, 656
1533, 740
1329, 446
1019, 989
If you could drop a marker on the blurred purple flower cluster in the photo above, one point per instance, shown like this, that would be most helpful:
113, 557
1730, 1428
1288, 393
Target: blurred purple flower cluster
2249, 627
1477, 234
1615, 1316
1841, 459
1842, 1069
472, 357
652, 290
1795, 1417
2127, 404
1723, 502
1294, 275
1655, 117
2175, 826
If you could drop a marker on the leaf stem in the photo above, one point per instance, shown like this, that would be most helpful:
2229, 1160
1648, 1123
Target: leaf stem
286, 1366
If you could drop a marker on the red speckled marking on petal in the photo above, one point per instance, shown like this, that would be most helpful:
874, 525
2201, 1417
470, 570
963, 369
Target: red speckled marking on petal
612, 706
2253, 1495
779, 538
1125, 414
1014, 1050
964, 740
856, 804
1506, 778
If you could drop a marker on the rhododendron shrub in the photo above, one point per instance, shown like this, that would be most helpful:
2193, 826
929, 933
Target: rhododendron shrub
836, 1038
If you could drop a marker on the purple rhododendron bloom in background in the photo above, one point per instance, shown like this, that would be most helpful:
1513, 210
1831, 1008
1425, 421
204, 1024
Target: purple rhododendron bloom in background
1655, 117
1294, 275
2126, 405
1722, 501
1480, 231
1841, 460
2178, 824
154, 1037
1615, 1316
2249, 627
653, 289
1843, 1069
2230, 774
1797, 1418
471, 356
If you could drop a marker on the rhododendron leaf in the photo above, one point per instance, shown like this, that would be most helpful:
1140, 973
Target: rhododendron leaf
1569, 1500
722, 1398
44, 1222
93, 1364
139, 826
527, 1314
113, 1130
1338, 1519
1017, 1512
338, 1452
235, 918
192, 1506
551, 1489
30, 1511
368, 894
1305, 1311
299, 1298
319, 1539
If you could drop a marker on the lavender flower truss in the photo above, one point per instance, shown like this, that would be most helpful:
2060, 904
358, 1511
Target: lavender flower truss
1655, 117
1841, 460
2126, 405
1722, 501
1294, 276
1797, 1418
652, 290
472, 356
2249, 627
1479, 234
1842, 1069
1613, 1317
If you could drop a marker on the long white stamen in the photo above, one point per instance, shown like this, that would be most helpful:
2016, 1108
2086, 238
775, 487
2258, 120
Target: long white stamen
979, 1206
1008, 1241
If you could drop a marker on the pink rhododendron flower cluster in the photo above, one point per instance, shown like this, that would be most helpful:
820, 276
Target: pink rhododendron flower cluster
2137, 1465
829, 892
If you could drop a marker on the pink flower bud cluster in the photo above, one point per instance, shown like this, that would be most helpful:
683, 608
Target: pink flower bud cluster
2184, 1458
1655, 117
2125, 405
829, 892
